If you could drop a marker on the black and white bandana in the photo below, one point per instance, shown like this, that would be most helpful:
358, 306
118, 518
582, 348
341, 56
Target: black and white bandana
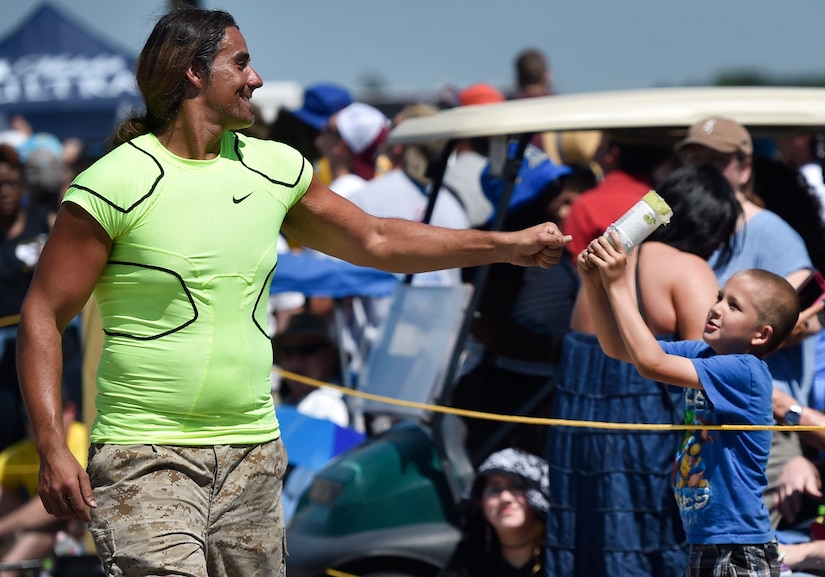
531, 469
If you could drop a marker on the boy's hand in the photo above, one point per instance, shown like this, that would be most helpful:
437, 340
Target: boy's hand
587, 270
609, 258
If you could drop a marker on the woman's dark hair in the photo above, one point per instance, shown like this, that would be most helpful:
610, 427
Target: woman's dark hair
640, 159
8, 155
783, 189
180, 39
705, 212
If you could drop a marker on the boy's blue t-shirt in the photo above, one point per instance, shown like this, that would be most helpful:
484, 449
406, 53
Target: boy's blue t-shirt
719, 476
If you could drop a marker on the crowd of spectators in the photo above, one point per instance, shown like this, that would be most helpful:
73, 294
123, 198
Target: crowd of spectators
530, 321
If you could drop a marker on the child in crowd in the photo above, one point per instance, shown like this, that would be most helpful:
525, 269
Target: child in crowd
504, 509
719, 475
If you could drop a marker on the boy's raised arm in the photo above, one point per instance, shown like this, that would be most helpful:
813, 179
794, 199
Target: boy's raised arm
601, 313
642, 347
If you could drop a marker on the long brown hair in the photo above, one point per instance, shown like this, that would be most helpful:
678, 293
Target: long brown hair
180, 39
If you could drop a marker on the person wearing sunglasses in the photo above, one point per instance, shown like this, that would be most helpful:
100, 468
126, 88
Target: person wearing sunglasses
306, 348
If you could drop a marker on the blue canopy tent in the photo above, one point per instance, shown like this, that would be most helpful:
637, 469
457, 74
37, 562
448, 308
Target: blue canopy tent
64, 79
319, 276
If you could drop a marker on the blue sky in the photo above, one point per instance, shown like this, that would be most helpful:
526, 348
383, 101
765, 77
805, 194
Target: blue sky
421, 45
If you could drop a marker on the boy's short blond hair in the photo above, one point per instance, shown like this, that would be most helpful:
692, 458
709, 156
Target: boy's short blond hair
777, 305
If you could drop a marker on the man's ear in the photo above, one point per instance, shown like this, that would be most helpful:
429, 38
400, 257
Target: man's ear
196, 75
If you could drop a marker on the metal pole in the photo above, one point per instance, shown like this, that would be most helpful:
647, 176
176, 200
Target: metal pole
510, 174
438, 180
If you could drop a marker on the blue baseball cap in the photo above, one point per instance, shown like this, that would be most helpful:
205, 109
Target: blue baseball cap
536, 172
40, 141
320, 102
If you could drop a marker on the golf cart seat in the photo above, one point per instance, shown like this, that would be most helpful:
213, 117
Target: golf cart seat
410, 359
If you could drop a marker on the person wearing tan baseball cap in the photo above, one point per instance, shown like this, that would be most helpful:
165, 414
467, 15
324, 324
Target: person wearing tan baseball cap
722, 142
720, 134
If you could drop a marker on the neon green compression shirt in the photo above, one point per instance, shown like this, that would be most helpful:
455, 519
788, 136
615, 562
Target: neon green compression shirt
183, 298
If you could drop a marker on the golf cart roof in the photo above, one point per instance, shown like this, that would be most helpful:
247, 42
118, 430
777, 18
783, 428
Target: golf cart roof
667, 111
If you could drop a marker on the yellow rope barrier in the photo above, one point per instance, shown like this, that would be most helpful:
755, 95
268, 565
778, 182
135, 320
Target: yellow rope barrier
9, 321
336, 573
542, 420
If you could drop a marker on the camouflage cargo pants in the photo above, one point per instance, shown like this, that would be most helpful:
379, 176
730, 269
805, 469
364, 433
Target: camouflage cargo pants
189, 511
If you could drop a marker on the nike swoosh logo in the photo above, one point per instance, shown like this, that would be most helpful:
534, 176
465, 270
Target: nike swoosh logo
240, 200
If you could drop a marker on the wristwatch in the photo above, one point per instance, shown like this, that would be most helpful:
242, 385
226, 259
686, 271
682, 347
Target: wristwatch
793, 415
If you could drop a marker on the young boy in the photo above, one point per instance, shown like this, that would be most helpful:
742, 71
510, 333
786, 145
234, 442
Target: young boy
719, 476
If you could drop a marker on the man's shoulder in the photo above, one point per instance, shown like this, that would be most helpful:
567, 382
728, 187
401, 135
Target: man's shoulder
277, 161
264, 153
124, 152
135, 156
250, 143
122, 177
